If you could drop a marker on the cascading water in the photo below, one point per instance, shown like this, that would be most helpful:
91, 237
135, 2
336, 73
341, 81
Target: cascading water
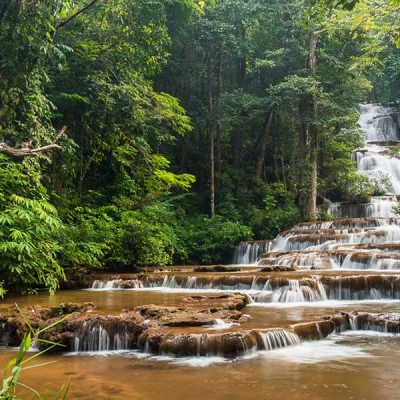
348, 243
278, 338
380, 125
274, 290
379, 122
322, 245
248, 252
96, 338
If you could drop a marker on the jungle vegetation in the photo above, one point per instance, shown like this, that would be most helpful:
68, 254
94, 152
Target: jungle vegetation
155, 132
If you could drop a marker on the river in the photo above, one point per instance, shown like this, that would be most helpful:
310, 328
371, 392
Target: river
353, 365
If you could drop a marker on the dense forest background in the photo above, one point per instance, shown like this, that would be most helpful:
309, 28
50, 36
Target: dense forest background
156, 132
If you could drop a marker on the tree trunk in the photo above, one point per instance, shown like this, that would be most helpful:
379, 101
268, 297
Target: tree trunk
310, 207
241, 66
218, 123
211, 136
263, 144
212, 173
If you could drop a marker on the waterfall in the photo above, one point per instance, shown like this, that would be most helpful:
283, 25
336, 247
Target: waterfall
381, 206
294, 292
231, 344
265, 289
388, 323
220, 324
248, 252
378, 122
96, 338
381, 132
278, 338
380, 125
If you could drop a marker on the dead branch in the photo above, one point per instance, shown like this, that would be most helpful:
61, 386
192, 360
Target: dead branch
26, 151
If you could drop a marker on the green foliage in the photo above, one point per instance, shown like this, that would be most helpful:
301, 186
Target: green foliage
213, 240
88, 236
338, 171
145, 238
356, 188
26, 31
28, 244
29, 228
14, 368
382, 184
277, 213
162, 180
345, 4
396, 209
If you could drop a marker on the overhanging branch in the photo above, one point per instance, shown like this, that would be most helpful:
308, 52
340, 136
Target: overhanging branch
27, 151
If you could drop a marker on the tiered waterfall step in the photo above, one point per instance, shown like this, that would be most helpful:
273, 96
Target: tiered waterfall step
353, 243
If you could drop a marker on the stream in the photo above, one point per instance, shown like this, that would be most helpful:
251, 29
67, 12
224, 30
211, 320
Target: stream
350, 264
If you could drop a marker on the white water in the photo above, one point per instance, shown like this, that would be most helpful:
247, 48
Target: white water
248, 252
96, 338
278, 338
302, 290
374, 160
318, 351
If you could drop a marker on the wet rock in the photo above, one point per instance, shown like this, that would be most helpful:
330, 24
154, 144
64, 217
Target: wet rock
314, 330
228, 344
217, 268
13, 325
201, 310
77, 278
341, 320
171, 316
365, 321
177, 331
280, 268
225, 307
80, 332
376, 322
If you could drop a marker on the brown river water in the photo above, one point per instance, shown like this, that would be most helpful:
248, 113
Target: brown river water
353, 365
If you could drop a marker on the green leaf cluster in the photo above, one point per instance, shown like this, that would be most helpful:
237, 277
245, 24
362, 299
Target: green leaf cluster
214, 240
29, 231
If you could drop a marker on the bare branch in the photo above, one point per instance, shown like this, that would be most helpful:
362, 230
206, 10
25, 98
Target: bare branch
59, 133
26, 151
69, 19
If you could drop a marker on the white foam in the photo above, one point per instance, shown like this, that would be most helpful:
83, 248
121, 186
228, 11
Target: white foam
317, 351
359, 333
